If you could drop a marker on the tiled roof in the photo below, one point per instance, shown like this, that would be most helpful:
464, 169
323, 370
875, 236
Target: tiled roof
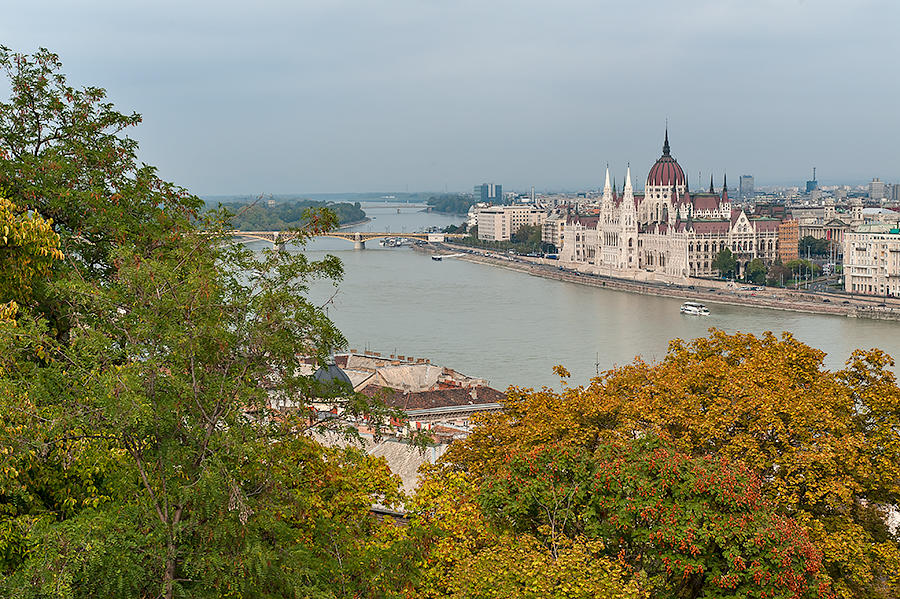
437, 398
666, 171
706, 227
706, 201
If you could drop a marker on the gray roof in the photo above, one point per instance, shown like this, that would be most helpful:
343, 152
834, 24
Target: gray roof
331, 373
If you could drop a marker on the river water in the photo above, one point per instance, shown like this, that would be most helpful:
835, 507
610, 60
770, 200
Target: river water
512, 328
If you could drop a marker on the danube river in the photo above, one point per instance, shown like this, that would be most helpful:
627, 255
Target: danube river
512, 328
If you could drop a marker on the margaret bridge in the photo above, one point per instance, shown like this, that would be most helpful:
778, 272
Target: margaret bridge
358, 238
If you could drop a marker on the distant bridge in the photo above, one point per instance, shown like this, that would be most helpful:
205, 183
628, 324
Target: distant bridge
359, 238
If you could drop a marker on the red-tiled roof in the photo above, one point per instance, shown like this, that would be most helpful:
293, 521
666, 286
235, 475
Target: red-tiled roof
706, 227
766, 224
706, 201
666, 171
434, 399
589, 222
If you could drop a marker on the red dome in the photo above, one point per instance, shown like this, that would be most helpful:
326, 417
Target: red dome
666, 171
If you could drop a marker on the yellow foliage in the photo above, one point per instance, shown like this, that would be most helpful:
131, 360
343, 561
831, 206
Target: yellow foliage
825, 443
28, 247
466, 559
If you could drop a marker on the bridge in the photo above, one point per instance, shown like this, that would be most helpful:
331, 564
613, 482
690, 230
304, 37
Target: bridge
359, 238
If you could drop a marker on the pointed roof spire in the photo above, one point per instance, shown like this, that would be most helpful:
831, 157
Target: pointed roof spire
666, 143
711, 188
606, 185
614, 187
628, 179
724, 187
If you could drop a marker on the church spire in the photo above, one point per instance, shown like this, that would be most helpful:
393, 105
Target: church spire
711, 188
666, 143
628, 195
724, 188
606, 185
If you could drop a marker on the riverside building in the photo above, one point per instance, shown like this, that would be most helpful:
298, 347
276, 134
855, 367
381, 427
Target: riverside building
872, 260
667, 229
498, 223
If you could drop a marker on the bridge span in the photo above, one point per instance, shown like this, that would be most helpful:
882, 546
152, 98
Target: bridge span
358, 238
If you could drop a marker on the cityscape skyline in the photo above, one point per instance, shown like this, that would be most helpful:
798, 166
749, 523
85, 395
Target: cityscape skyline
340, 97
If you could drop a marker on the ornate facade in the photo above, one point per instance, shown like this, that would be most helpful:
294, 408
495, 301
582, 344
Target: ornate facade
667, 229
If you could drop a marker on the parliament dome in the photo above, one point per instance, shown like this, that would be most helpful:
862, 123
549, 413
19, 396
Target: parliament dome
666, 172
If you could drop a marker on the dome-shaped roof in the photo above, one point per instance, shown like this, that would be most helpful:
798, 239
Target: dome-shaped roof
331, 373
666, 171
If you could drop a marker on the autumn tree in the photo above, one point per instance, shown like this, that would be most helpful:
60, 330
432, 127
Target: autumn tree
823, 443
465, 556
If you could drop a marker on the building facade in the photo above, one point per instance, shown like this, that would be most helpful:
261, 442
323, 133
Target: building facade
746, 186
788, 240
490, 193
499, 223
667, 229
872, 260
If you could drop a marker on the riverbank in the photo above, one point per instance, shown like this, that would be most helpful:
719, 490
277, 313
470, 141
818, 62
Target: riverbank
715, 292
355, 223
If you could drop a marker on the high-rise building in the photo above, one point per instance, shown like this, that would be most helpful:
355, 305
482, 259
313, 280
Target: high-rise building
489, 192
812, 184
876, 189
746, 186
895, 192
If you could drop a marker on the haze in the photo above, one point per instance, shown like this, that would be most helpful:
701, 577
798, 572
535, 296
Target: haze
295, 96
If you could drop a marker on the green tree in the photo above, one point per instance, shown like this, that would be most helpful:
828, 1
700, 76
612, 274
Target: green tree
139, 453
756, 272
725, 263
816, 247
528, 235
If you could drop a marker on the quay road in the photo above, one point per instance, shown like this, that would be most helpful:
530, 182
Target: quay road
713, 291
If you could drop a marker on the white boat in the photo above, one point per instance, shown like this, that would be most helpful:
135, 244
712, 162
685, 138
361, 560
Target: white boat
694, 309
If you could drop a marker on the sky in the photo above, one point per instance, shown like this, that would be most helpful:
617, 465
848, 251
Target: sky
294, 96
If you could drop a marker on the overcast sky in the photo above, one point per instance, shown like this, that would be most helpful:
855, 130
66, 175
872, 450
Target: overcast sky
331, 95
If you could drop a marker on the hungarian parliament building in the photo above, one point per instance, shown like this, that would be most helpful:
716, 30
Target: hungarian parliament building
668, 229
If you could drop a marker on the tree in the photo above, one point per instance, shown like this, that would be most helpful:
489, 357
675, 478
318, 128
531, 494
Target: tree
28, 248
816, 247
139, 454
693, 526
725, 263
529, 235
465, 556
779, 275
756, 272
823, 443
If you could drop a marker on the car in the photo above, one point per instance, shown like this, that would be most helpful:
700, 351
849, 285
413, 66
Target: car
690, 286
845, 302
826, 301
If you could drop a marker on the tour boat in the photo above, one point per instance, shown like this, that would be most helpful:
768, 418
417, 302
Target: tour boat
694, 309
437, 258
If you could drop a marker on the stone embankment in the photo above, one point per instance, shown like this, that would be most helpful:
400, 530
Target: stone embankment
838, 304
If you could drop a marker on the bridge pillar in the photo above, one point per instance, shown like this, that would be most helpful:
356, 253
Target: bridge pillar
359, 245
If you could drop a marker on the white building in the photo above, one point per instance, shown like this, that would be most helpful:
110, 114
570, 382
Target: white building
667, 229
872, 260
876, 189
498, 223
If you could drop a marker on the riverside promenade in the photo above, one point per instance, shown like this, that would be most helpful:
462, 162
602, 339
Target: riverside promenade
718, 292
